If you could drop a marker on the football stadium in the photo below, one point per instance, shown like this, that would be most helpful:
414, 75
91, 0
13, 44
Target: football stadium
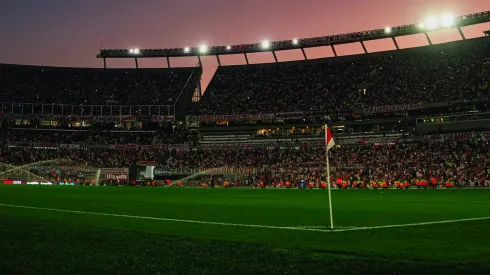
374, 163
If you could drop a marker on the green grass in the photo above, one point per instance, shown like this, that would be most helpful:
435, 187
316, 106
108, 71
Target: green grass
48, 242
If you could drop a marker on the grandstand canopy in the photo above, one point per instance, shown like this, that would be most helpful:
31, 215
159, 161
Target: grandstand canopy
433, 24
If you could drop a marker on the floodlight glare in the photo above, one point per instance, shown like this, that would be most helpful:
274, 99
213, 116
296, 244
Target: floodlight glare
387, 30
265, 44
131, 51
422, 25
432, 23
186, 49
295, 41
136, 51
203, 49
228, 47
447, 20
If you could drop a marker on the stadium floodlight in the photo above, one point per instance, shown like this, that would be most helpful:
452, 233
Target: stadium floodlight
265, 44
131, 51
432, 23
203, 49
136, 51
388, 30
421, 25
447, 20
295, 41
228, 48
187, 50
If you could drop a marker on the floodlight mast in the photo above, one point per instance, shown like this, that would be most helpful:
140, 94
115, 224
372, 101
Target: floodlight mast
433, 23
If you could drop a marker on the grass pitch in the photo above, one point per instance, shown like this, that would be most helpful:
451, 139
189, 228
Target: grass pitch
129, 230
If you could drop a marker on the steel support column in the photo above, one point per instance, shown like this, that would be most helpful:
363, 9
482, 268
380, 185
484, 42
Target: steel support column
461, 33
304, 53
219, 61
364, 47
428, 38
395, 42
334, 51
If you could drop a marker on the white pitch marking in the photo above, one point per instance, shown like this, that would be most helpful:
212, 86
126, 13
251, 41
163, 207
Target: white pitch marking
309, 226
164, 219
298, 228
411, 224
322, 226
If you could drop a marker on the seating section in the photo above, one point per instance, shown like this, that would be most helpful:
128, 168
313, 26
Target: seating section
441, 73
98, 136
33, 84
449, 72
466, 161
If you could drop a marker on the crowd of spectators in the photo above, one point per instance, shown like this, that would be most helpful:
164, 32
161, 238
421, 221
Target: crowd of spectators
95, 136
32, 84
464, 162
80, 137
439, 73
425, 75
99, 158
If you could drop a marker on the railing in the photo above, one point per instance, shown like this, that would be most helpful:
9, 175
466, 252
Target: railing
86, 110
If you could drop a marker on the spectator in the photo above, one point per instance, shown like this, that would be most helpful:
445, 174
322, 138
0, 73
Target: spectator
426, 75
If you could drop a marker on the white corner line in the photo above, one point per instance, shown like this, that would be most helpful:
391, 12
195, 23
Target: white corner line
296, 228
411, 224
164, 219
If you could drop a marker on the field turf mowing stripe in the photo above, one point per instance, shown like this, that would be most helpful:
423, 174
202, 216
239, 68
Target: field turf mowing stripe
145, 234
38, 248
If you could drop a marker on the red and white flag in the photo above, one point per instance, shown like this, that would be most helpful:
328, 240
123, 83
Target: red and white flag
329, 142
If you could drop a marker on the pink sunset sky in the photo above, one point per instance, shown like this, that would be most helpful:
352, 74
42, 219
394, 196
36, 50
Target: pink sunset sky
69, 32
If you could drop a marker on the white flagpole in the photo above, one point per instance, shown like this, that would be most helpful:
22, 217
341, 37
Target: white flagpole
328, 180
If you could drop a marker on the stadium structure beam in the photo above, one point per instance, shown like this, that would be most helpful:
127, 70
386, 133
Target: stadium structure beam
136, 62
428, 38
274, 54
105, 63
199, 60
461, 33
168, 61
219, 61
304, 53
355, 37
396, 43
333, 49
364, 47
246, 58
199, 86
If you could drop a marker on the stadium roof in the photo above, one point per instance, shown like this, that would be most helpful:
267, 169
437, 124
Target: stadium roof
432, 24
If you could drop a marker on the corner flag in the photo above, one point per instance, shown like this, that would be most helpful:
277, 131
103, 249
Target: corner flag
329, 143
